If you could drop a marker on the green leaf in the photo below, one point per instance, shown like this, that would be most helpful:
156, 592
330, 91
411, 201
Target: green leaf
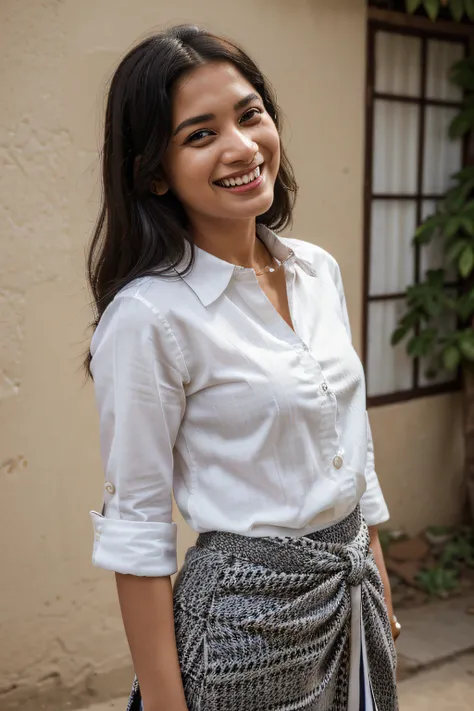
462, 74
469, 8
468, 223
466, 261
436, 278
453, 225
412, 5
432, 8
415, 347
420, 345
434, 306
410, 319
466, 173
466, 346
454, 249
456, 197
429, 335
468, 209
465, 306
457, 9
451, 358
438, 580
462, 123
426, 230
398, 335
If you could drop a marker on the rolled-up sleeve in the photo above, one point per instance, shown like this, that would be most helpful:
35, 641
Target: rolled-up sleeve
139, 377
372, 504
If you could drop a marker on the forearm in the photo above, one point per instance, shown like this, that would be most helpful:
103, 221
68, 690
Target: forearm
379, 559
147, 612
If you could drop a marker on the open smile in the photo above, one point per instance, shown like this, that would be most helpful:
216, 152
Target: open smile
244, 182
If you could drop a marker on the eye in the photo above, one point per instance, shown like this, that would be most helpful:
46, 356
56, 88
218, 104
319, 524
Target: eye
199, 135
250, 115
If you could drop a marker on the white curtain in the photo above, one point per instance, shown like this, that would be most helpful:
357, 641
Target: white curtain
396, 134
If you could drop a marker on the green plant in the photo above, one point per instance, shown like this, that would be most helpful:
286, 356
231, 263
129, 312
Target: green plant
437, 581
458, 8
439, 323
459, 551
439, 530
429, 303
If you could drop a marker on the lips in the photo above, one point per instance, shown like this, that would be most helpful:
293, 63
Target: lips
239, 180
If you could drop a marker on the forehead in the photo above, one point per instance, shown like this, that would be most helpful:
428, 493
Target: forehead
213, 86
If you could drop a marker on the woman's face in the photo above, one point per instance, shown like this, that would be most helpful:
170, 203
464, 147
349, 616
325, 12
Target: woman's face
224, 155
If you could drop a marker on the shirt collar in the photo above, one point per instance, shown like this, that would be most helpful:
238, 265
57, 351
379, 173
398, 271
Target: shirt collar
210, 276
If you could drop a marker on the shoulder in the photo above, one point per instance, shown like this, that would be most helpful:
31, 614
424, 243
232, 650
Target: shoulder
139, 312
148, 299
157, 294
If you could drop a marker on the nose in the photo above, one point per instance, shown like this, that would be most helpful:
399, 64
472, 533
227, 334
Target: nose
240, 148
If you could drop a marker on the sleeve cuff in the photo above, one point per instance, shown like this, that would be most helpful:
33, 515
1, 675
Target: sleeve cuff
146, 548
373, 506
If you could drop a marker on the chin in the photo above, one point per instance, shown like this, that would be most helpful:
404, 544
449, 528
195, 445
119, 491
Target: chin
249, 212
265, 204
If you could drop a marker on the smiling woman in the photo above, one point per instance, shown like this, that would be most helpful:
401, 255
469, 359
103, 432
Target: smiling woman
163, 106
211, 162
224, 373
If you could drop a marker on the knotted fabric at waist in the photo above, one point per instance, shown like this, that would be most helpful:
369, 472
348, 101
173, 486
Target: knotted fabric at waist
341, 550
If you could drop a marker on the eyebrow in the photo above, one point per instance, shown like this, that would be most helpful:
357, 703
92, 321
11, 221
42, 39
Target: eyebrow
202, 118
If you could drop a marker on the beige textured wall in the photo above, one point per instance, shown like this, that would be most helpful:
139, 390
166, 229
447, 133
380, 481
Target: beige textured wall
60, 633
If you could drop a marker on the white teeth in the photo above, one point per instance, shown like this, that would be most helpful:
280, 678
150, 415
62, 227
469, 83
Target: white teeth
242, 180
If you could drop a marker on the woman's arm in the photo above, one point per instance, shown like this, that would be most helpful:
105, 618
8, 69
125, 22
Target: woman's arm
378, 555
147, 610
139, 376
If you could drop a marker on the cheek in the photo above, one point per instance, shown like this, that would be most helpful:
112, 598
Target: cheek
191, 173
273, 146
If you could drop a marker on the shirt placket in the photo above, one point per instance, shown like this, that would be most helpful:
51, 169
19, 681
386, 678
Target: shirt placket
329, 433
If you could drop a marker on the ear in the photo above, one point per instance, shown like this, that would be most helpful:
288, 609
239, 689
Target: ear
159, 186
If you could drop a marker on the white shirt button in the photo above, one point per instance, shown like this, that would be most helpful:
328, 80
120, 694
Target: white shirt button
324, 387
337, 462
109, 487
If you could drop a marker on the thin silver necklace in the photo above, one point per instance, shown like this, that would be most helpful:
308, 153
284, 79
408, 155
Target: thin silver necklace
270, 268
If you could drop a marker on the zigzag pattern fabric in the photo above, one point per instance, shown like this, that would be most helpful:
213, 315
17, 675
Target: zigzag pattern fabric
264, 624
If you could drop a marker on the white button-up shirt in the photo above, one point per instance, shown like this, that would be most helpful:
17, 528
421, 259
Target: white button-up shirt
205, 391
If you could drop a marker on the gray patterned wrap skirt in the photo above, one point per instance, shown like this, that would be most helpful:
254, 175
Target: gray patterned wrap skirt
284, 624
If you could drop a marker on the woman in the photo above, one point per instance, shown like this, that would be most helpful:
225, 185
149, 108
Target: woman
224, 372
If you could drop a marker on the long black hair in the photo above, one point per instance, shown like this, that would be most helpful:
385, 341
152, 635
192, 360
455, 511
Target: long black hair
138, 233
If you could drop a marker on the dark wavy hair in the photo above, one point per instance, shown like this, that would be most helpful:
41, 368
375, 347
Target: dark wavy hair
138, 233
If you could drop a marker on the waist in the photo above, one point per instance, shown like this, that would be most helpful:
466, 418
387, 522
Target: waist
321, 551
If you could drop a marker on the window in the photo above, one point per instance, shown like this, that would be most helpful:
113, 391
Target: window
409, 161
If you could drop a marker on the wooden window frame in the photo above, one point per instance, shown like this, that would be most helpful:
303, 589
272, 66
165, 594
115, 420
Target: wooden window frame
397, 23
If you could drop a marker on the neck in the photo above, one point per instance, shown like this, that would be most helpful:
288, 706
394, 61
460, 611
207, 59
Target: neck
234, 241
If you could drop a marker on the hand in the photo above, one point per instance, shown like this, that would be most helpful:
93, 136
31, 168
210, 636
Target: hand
396, 627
